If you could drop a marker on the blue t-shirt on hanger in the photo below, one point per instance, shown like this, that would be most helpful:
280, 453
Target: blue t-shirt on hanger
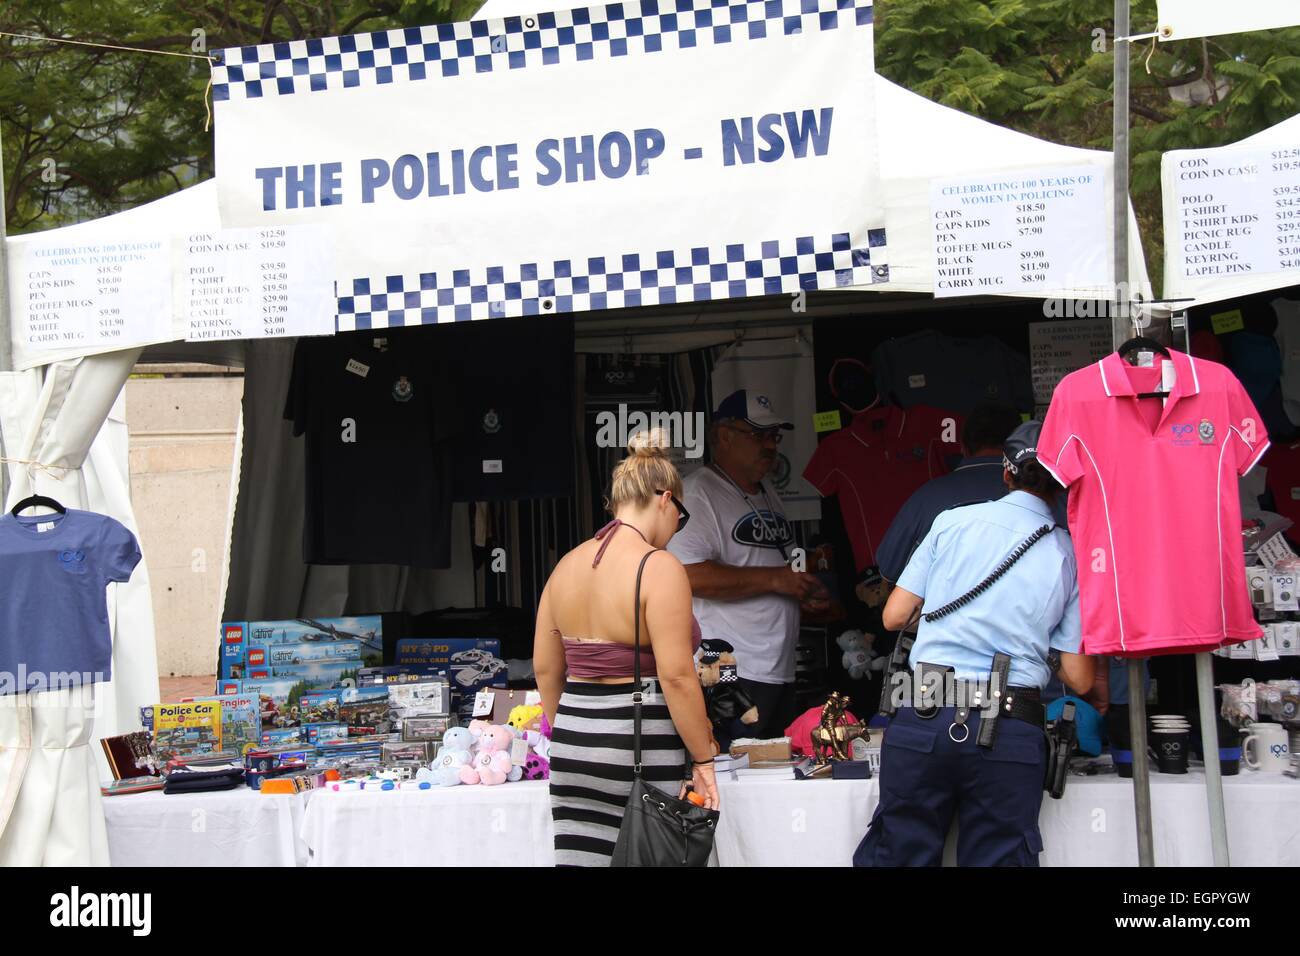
54, 569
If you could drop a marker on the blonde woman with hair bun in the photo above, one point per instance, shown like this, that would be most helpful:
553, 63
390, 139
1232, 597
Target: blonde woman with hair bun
583, 659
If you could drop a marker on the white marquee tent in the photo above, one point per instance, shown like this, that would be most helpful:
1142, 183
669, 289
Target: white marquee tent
65, 411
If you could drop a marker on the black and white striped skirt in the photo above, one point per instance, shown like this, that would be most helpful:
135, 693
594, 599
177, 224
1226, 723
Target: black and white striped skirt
591, 765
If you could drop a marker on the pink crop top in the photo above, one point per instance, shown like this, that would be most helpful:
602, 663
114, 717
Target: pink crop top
588, 659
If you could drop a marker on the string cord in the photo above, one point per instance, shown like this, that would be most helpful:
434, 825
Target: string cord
207, 92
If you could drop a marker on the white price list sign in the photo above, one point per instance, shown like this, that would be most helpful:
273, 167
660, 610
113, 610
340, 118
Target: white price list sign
1040, 230
1238, 211
1058, 348
257, 283
87, 294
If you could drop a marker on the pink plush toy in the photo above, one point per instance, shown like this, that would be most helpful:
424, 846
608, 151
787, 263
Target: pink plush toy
490, 765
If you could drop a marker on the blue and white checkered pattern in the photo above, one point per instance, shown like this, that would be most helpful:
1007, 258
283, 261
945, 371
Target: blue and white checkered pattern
512, 43
700, 274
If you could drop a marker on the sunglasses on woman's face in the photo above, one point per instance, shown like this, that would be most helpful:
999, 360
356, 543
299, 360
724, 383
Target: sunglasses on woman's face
683, 515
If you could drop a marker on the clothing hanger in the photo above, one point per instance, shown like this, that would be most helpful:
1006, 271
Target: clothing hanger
1138, 343
34, 501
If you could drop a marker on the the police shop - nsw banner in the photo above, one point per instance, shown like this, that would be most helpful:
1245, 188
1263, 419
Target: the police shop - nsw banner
616, 156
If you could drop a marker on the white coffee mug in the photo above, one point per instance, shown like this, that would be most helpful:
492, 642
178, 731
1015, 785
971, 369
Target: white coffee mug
1266, 747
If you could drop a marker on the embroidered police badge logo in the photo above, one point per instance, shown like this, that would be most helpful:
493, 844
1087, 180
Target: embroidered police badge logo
402, 390
1206, 431
491, 422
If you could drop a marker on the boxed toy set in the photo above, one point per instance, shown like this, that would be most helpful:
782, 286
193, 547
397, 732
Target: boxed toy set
472, 664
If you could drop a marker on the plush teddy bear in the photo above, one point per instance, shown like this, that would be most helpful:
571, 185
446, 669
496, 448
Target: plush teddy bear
858, 657
490, 765
538, 764
452, 756
724, 698
524, 716
872, 589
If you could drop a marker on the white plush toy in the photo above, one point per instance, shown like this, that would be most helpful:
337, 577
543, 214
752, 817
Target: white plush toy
858, 656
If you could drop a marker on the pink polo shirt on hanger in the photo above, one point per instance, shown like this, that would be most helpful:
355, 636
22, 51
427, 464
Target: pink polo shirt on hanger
1154, 512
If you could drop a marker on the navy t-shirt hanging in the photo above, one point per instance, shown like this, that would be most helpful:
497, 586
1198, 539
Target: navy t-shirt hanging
54, 570
377, 416
514, 381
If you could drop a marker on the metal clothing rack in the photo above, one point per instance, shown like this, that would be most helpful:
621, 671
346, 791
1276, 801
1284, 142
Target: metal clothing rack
1120, 329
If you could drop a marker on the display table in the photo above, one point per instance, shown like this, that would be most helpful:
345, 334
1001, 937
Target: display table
508, 825
227, 828
765, 822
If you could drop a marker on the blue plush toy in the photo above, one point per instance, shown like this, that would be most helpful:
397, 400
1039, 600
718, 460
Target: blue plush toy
452, 755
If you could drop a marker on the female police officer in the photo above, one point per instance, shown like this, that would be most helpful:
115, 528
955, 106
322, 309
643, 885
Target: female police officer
982, 649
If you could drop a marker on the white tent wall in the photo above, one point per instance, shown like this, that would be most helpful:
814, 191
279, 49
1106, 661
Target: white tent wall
69, 418
1218, 288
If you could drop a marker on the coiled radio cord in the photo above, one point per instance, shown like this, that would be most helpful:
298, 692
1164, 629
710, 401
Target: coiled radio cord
987, 583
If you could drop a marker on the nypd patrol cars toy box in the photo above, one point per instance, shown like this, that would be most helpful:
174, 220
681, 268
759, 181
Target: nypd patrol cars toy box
364, 633
471, 664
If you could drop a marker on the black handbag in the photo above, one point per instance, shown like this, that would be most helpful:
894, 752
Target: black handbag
658, 829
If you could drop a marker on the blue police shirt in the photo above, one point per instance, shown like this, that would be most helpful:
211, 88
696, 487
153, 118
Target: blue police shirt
974, 480
1032, 608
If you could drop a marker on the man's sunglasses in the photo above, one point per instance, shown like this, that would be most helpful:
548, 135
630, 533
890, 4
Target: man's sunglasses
683, 515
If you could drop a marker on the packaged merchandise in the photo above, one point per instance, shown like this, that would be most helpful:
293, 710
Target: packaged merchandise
187, 730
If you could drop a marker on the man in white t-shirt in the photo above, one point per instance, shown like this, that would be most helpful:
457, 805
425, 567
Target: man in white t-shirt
736, 549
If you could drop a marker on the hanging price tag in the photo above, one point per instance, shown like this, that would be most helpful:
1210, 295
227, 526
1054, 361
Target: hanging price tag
827, 422
483, 703
1225, 322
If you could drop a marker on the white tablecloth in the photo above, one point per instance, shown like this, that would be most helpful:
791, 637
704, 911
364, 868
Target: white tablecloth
765, 822
239, 827
506, 825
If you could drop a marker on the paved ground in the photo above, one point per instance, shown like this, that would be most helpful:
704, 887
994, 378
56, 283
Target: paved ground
178, 688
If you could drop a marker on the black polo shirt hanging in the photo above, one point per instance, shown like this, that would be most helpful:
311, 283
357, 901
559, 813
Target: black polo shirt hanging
377, 418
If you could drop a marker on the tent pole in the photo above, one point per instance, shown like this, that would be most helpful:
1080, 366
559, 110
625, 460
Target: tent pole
1120, 332
6, 340
1210, 751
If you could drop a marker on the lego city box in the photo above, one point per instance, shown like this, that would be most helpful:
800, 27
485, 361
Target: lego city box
327, 638
278, 700
318, 675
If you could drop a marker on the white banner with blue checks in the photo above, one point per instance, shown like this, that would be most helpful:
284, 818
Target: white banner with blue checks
632, 154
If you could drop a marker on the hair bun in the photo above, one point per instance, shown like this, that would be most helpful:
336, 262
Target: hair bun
650, 443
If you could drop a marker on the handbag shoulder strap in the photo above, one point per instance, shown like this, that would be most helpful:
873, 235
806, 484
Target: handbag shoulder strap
636, 669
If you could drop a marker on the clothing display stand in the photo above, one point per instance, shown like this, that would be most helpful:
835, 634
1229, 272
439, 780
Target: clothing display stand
1210, 754
1120, 333
1137, 725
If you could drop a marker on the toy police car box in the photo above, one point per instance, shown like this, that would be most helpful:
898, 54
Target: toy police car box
365, 711
471, 664
363, 634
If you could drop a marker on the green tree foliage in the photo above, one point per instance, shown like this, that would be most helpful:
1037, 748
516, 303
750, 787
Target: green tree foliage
1045, 67
88, 132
